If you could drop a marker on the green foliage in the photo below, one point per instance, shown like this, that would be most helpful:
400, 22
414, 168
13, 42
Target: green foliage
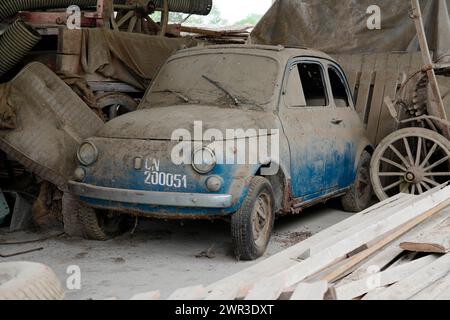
251, 19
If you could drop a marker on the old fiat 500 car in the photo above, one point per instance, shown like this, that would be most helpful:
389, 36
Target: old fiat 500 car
296, 99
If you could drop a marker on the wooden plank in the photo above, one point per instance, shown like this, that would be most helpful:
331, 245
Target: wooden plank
369, 217
378, 96
435, 239
387, 255
189, 293
371, 282
153, 295
416, 282
440, 290
310, 291
365, 84
384, 126
410, 216
245, 279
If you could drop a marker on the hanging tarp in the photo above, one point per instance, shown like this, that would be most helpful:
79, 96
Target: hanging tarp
341, 26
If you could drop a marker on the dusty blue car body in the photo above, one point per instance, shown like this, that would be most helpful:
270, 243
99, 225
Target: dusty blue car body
319, 146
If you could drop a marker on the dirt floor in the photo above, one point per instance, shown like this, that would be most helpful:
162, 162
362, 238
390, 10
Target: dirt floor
160, 255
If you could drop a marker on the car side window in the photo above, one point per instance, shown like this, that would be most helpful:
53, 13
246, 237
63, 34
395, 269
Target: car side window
294, 92
312, 81
339, 89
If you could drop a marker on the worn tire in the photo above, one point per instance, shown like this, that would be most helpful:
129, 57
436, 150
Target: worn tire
242, 222
28, 281
72, 222
94, 227
353, 200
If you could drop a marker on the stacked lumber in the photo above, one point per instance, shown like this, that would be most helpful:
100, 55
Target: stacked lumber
397, 249
219, 36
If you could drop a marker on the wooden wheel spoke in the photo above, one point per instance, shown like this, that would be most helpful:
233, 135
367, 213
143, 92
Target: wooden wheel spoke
408, 151
434, 165
432, 182
437, 174
391, 174
399, 155
125, 18
426, 186
413, 189
430, 153
392, 186
419, 151
419, 188
395, 164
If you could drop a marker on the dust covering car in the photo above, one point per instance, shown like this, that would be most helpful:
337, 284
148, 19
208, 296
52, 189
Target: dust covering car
243, 133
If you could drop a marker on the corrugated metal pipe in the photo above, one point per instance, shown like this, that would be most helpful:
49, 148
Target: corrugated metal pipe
200, 7
9, 8
15, 44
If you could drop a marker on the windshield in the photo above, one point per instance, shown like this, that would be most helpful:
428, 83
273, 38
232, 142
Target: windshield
230, 79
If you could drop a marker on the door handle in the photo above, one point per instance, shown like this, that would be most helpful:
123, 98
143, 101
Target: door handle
337, 121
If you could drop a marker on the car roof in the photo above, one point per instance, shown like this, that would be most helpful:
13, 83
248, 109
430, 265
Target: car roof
277, 52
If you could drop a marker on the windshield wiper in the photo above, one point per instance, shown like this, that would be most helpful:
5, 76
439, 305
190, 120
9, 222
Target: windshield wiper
179, 95
221, 87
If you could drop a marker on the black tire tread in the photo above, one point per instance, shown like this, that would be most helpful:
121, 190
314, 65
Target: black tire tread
350, 201
240, 228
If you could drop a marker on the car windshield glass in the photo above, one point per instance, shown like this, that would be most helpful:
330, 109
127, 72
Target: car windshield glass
229, 80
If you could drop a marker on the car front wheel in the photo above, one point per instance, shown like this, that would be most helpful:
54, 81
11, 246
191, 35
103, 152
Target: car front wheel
100, 225
358, 197
252, 225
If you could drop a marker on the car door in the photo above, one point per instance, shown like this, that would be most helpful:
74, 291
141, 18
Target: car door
347, 128
305, 112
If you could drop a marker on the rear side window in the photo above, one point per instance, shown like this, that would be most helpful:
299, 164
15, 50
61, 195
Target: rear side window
311, 76
338, 88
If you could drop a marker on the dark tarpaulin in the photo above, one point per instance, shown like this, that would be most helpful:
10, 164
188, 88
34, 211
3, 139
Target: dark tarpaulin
128, 57
340, 26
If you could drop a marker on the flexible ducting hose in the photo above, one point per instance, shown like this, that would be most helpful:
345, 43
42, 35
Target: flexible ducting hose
15, 44
200, 7
9, 8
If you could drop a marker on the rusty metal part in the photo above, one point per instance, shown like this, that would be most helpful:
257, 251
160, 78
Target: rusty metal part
15, 44
200, 7
411, 160
9, 8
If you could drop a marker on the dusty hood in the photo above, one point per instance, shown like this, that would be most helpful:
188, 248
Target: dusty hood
160, 123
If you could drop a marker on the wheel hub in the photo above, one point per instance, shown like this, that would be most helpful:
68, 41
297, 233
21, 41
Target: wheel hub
414, 175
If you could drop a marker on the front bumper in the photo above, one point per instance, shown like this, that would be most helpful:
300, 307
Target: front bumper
169, 199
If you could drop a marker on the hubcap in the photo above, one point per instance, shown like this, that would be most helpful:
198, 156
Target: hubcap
261, 218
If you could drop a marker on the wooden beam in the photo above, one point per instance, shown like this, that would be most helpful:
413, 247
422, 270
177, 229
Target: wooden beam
189, 293
245, 279
435, 239
153, 295
440, 290
310, 291
374, 281
410, 216
417, 16
416, 282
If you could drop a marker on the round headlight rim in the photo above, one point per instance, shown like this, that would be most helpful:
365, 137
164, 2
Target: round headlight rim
213, 155
80, 158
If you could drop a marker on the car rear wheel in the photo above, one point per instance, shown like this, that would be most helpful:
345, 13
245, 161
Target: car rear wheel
358, 197
252, 225
101, 225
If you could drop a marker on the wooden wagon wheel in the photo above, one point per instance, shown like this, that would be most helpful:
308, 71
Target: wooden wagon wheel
134, 16
412, 160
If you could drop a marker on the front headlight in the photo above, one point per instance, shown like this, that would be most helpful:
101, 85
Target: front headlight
87, 153
204, 160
